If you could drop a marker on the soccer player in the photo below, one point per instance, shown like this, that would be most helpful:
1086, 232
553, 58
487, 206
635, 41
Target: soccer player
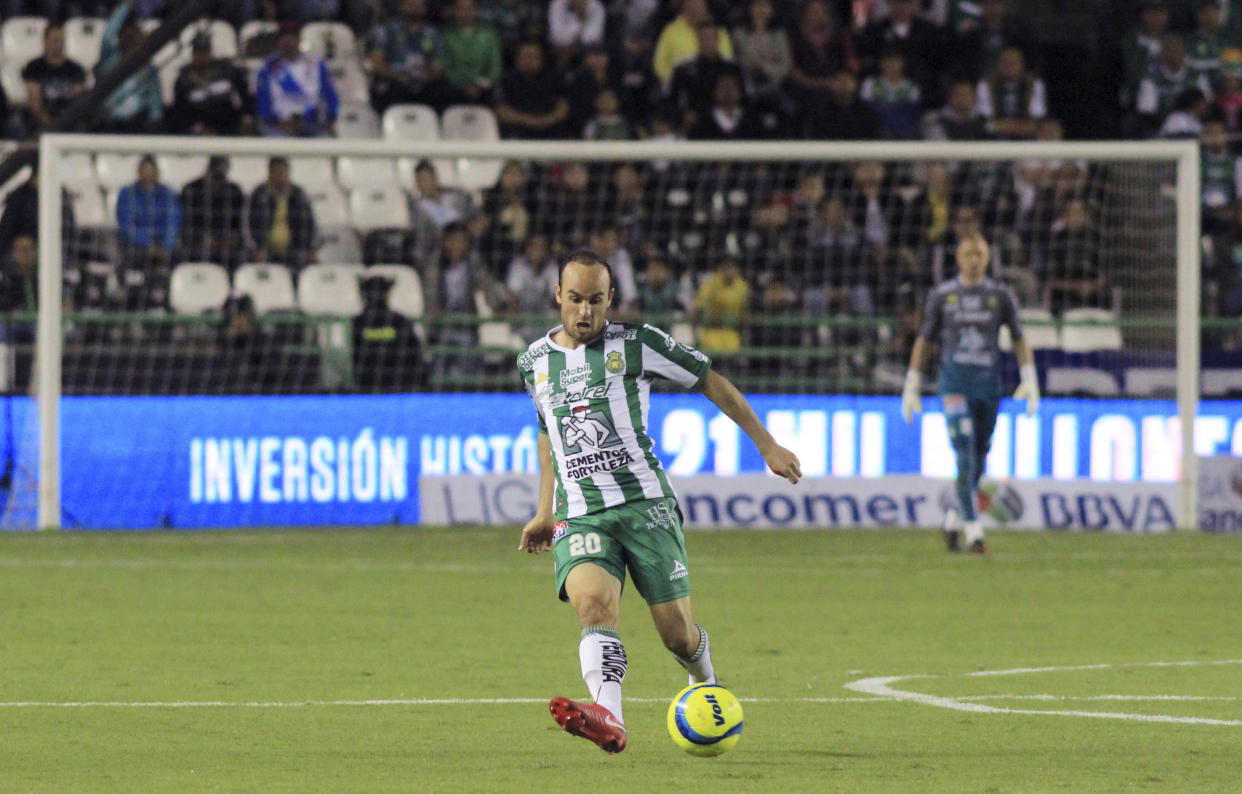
605, 504
964, 316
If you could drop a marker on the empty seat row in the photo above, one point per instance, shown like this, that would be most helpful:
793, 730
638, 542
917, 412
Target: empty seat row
321, 289
1080, 330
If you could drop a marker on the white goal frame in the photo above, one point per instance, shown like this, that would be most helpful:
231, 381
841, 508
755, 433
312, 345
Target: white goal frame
52, 147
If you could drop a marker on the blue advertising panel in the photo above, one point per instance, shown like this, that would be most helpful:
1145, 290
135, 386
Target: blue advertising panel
267, 461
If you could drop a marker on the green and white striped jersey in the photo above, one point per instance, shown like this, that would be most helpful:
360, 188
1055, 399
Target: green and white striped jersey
592, 402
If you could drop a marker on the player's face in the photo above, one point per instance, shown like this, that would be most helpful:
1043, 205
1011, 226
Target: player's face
584, 295
972, 260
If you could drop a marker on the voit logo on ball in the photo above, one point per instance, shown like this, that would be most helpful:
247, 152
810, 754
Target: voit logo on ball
997, 499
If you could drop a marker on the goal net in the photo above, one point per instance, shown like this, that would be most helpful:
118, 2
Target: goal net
213, 300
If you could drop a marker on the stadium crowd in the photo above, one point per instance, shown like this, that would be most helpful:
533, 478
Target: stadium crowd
712, 245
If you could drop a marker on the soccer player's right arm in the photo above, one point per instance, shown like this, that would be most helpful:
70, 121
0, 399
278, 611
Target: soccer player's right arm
537, 534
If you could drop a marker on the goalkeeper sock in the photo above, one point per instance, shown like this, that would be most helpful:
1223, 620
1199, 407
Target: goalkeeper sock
699, 665
974, 531
603, 667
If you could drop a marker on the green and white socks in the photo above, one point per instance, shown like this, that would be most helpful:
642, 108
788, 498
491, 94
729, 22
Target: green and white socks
603, 666
699, 665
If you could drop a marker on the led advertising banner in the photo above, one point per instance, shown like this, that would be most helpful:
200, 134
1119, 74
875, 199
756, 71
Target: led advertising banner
139, 462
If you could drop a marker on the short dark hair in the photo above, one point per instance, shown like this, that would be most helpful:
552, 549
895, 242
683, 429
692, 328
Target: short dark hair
278, 160
585, 256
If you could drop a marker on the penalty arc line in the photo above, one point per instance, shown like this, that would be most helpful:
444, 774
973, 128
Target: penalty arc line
880, 686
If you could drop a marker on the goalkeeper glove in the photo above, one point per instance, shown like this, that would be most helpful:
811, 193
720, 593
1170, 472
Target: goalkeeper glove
1028, 389
911, 402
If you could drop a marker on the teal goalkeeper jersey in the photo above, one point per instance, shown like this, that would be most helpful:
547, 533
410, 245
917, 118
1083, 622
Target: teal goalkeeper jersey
592, 403
966, 321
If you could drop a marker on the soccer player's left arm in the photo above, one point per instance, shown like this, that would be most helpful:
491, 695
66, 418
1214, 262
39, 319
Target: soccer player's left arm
728, 399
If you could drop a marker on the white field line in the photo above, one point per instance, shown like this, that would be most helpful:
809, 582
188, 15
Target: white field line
881, 686
1187, 698
189, 704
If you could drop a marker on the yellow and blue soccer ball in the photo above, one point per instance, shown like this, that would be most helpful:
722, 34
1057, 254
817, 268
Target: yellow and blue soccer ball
705, 719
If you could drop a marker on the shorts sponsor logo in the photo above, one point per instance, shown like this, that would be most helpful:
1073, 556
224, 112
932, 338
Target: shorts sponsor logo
679, 571
559, 529
660, 516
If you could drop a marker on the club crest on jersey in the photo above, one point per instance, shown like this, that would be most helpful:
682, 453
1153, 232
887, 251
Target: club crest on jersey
614, 362
559, 529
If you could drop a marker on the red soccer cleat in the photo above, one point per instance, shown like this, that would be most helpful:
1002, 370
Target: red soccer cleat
590, 721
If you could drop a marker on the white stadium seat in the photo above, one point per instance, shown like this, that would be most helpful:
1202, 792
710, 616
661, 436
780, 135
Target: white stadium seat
411, 122
1100, 331
1221, 382
223, 37
309, 170
115, 170
332, 41
406, 295
446, 172
270, 286
77, 169
349, 80
329, 205
1155, 382
359, 172
82, 38
21, 39
248, 171
472, 123
1038, 329
252, 29
1081, 380
15, 181
357, 121
379, 207
89, 208
196, 287
13, 84
338, 243
178, 170
330, 289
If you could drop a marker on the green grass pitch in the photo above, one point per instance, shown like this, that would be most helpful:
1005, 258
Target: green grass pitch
421, 660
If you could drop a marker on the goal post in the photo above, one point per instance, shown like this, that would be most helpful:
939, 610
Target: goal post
59, 152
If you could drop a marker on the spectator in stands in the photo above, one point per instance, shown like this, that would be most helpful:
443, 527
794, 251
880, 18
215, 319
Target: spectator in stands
659, 293
1220, 172
870, 204
979, 48
211, 96
1204, 46
211, 209
567, 210
629, 205
136, 106
513, 20
281, 220
530, 102
242, 357
506, 206
584, 85
1012, 97
608, 123
1168, 78
21, 215
294, 92
531, 280
959, 119
1185, 120
148, 217
727, 118
639, 88
1227, 101
574, 25
436, 207
1072, 268
472, 56
775, 299
835, 267
692, 86
845, 117
919, 41
606, 241
763, 52
405, 57
819, 50
1140, 51
52, 80
450, 283
720, 308
387, 352
896, 98
679, 39
1222, 266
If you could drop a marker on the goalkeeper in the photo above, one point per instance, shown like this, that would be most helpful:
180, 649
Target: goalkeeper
964, 315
